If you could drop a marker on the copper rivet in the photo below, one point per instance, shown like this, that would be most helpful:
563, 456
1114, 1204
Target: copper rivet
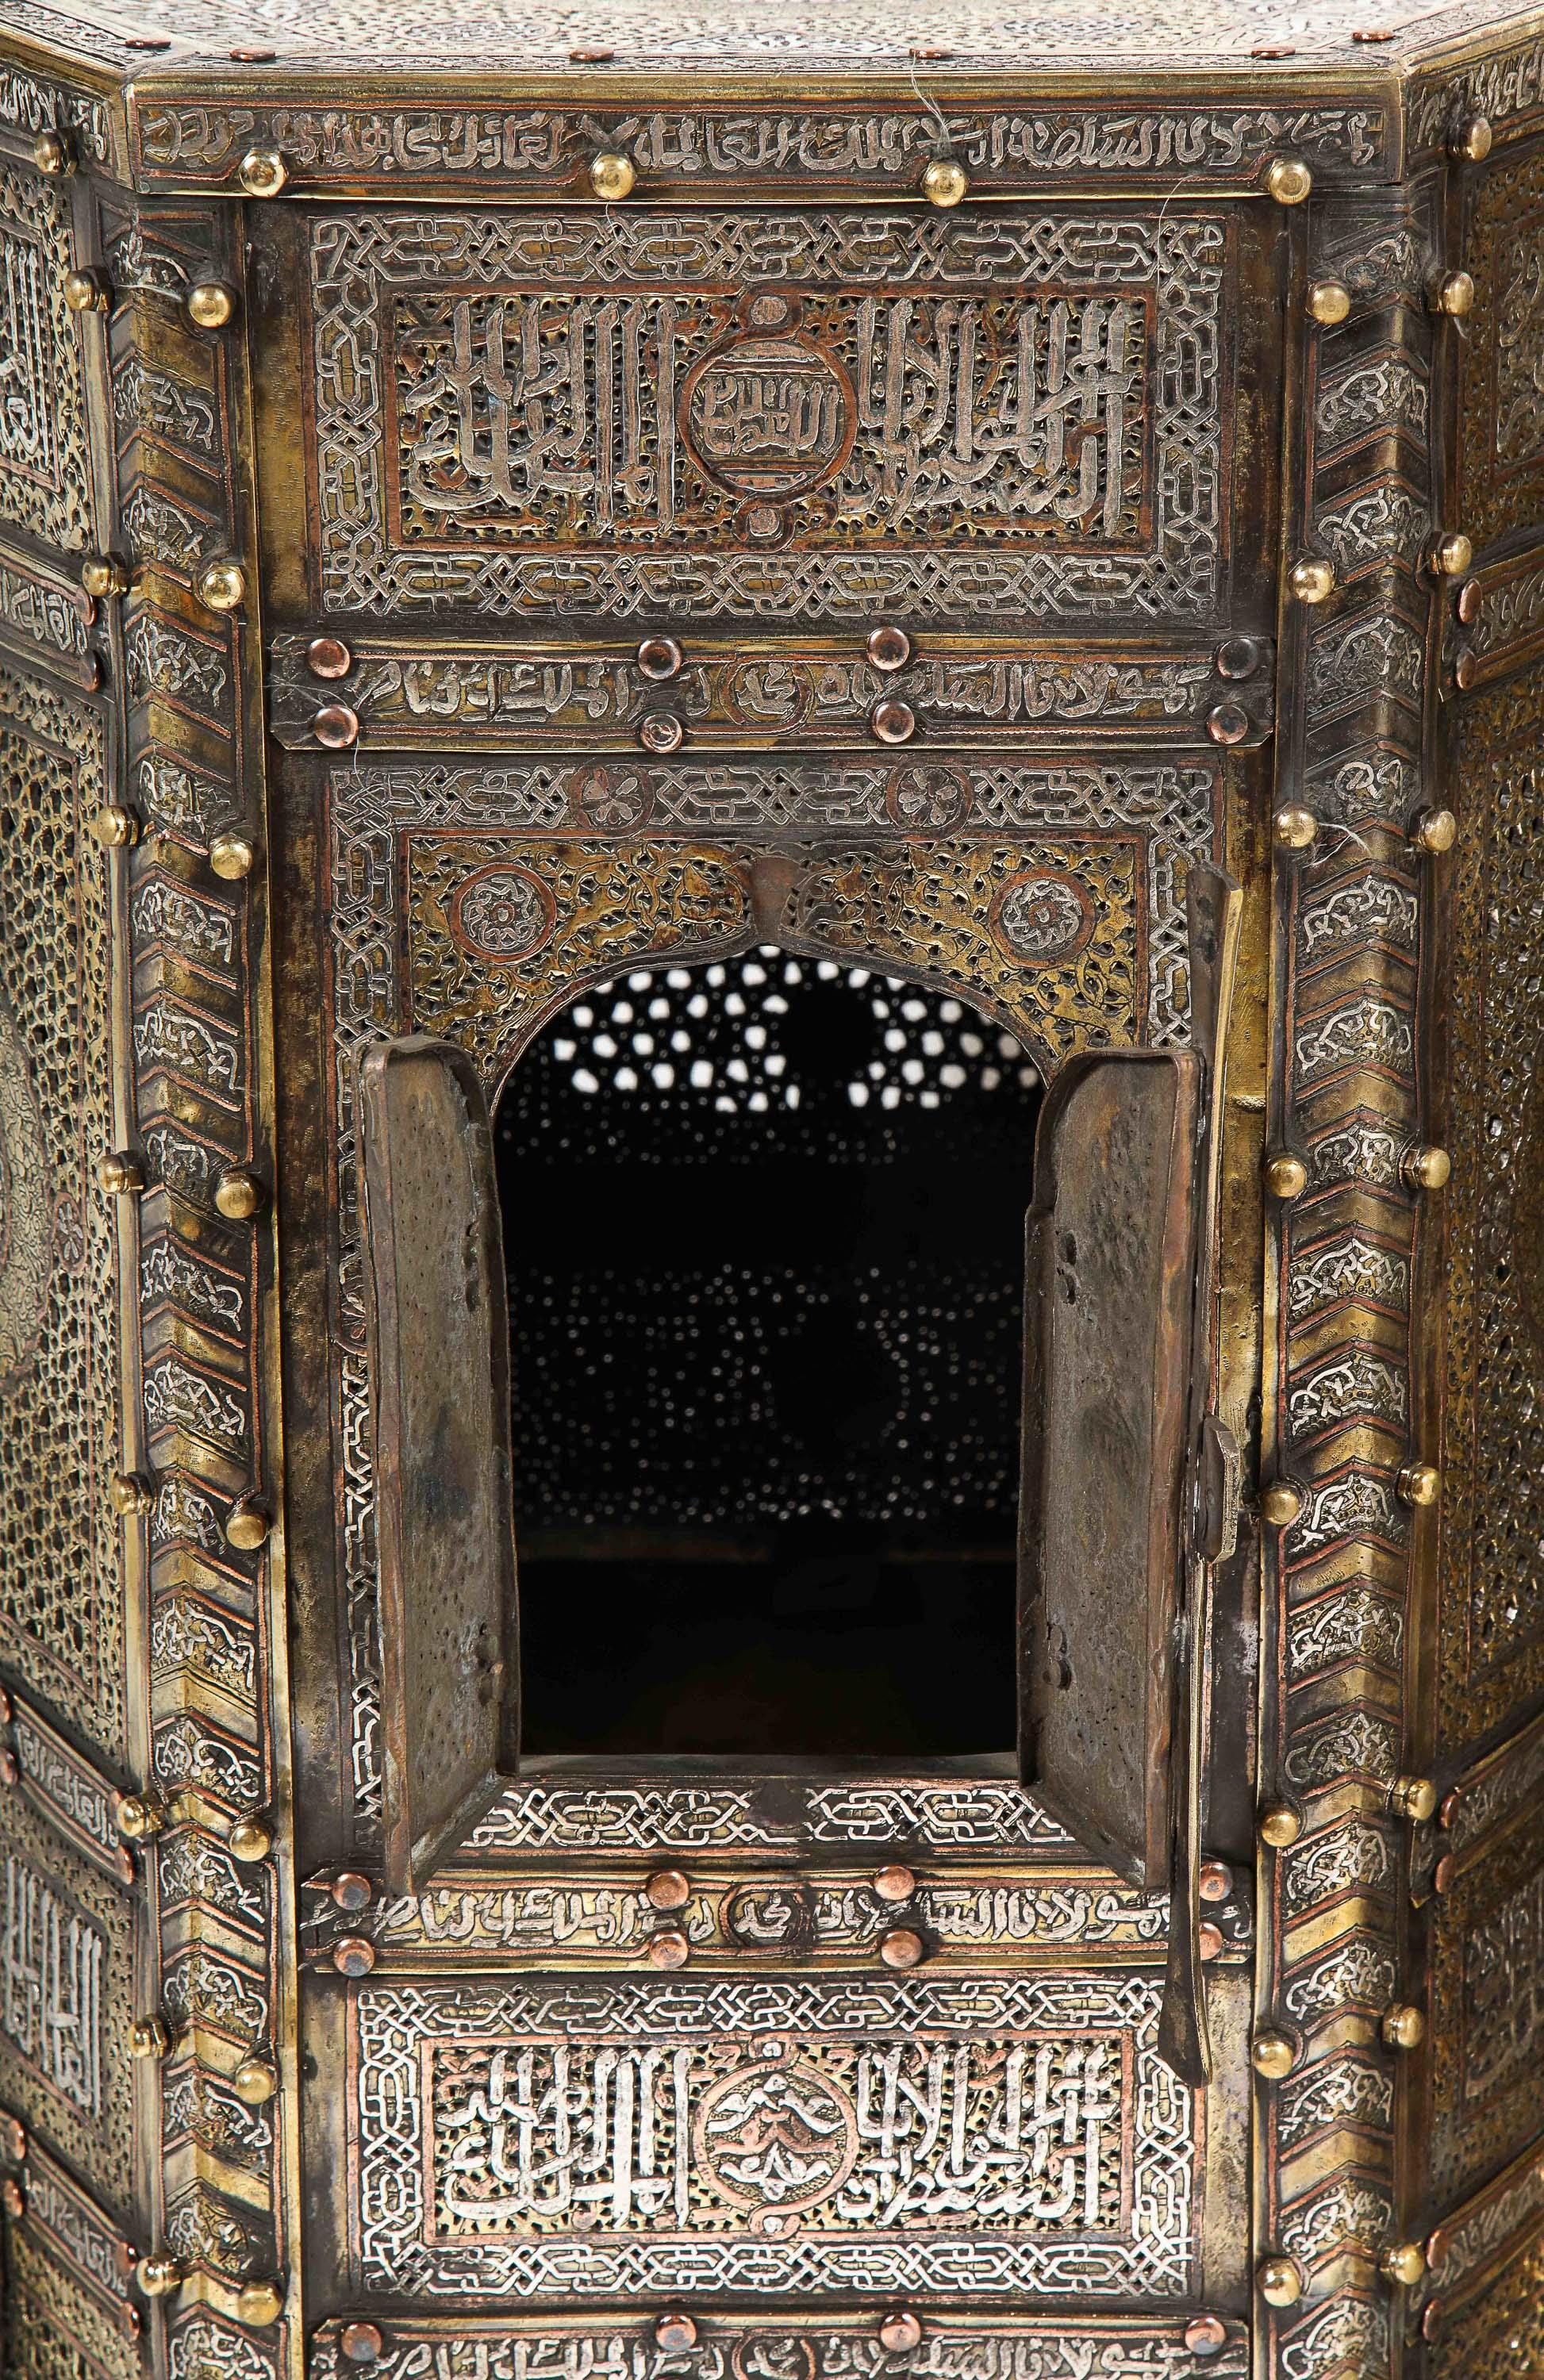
674, 2329
1227, 723
899, 2330
1215, 1881
1403, 2263
1413, 1797
1239, 657
1419, 1483
119, 1172
894, 1883
1205, 2334
87, 292
1403, 2027
158, 2276
53, 152
262, 173
1435, 831
328, 657
1286, 1176
1465, 669
902, 1947
251, 1839
1472, 139
945, 182
591, 57
139, 1815
892, 721
1372, 33
660, 731
1209, 1939
258, 2304
1288, 182
888, 649
1428, 1168
7, 1709
1469, 601
1280, 2283
1329, 302
351, 1891
1294, 827
1275, 50
668, 1949
210, 305
1312, 580
336, 726
659, 658
10, 1768
1442, 1876
15, 2136
352, 1955
248, 1523
149, 2037
361, 2342
611, 176
238, 1194
146, 40
668, 1888
130, 1494
251, 54
254, 2082
1455, 294
928, 52
1280, 1826
1272, 2055
231, 854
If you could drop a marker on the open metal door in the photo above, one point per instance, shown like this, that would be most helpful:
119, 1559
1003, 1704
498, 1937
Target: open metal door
439, 1347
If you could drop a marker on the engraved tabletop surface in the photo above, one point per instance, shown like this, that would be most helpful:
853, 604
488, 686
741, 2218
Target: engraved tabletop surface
997, 36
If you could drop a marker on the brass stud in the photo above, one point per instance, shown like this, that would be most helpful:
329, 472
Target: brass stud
1403, 2027
149, 2037
1227, 723
361, 2342
139, 1816
899, 2331
353, 1956
102, 574
328, 657
1280, 2283
86, 291
258, 2304
249, 1840
158, 2276
611, 176
1454, 295
211, 305
1215, 1880
336, 726
53, 152
1206, 2334
1414, 1798
119, 1173
12, 2199
262, 173
1312, 580
115, 828
1419, 1483
248, 1523
660, 658
1404, 2263
1472, 139
944, 182
254, 2082
893, 720
130, 1494
669, 1948
1452, 553
1286, 1176
888, 649
351, 1891
1434, 830
902, 1947
232, 854
1426, 1168
1280, 1826
1288, 182
667, 1888
1272, 2055
222, 585
1329, 302
675, 2329
894, 1883
1294, 827
237, 1194
660, 731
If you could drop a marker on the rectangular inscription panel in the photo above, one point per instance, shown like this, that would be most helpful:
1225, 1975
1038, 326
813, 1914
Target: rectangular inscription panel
956, 2133
762, 413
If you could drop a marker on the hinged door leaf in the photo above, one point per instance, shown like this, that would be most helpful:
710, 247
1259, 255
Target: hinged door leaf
440, 1378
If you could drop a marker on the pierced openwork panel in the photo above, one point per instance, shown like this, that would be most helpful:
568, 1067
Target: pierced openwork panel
1501, 412
1500, 2333
45, 464
857, 2136
1492, 1652
56, 2329
61, 1590
754, 415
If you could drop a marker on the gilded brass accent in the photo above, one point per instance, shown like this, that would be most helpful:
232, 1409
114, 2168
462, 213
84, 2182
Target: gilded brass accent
1472, 139
102, 574
1434, 830
1419, 1483
259, 2304
232, 854
1295, 828
1286, 1176
247, 1523
899, 2331
254, 2082
1426, 1167
87, 291
1414, 1798
139, 1816
1281, 1503
1454, 295
262, 173
611, 176
1329, 302
120, 1172
1288, 180
159, 2276
211, 305
1280, 2280
251, 1839
130, 1494
222, 585
116, 829
1452, 554
944, 182
1280, 1826
54, 153
239, 1194
1272, 2055
1311, 580
150, 2036
1404, 2263
1402, 2027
